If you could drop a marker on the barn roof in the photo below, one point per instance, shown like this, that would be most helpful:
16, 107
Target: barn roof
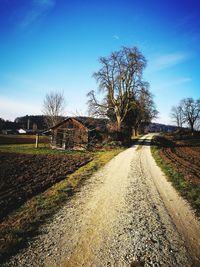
88, 122
68, 119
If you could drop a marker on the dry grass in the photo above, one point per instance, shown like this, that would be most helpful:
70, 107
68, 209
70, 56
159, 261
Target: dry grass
25, 222
174, 165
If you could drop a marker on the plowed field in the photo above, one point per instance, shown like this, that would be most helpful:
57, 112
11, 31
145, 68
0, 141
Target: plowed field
23, 175
183, 152
126, 214
22, 139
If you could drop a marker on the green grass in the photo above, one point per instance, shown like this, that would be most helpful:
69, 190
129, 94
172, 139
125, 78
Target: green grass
25, 221
30, 149
188, 190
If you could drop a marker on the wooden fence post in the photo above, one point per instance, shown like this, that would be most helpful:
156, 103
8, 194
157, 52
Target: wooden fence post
37, 140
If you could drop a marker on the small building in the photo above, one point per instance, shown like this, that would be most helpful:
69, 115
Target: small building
69, 134
22, 131
9, 131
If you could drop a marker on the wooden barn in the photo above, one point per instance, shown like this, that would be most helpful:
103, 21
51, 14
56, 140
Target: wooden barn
71, 133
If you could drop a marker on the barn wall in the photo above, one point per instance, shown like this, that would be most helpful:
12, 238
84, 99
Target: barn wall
70, 135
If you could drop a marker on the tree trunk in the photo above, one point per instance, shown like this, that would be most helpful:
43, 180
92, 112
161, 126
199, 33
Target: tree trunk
192, 128
118, 123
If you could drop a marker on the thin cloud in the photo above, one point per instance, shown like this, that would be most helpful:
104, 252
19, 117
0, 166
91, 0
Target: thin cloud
10, 109
25, 82
36, 10
167, 61
116, 37
186, 20
178, 81
172, 84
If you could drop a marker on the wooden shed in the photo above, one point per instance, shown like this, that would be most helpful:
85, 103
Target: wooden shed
69, 134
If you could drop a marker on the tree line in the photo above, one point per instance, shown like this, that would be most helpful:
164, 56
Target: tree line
126, 99
187, 113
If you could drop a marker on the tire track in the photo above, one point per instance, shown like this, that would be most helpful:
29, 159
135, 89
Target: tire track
118, 218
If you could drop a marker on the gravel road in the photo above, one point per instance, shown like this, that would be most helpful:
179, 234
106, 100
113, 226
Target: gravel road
127, 214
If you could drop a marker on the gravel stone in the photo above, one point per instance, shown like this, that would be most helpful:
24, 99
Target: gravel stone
118, 218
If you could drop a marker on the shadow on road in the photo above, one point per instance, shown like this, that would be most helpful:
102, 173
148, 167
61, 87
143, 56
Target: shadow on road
145, 142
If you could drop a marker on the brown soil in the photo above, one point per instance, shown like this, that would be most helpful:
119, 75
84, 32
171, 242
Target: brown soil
22, 139
183, 152
23, 176
125, 213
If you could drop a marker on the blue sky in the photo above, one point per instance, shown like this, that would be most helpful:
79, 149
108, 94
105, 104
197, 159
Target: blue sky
54, 45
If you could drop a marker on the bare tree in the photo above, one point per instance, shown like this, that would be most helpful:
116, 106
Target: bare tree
191, 112
120, 81
141, 112
53, 108
146, 108
177, 115
119, 77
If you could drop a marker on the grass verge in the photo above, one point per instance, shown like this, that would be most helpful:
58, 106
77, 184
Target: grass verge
188, 190
19, 226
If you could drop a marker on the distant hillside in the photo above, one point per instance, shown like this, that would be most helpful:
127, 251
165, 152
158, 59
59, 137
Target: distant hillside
37, 122
5, 124
158, 127
32, 122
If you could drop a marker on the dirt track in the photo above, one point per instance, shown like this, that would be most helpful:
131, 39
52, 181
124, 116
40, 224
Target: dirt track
126, 213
